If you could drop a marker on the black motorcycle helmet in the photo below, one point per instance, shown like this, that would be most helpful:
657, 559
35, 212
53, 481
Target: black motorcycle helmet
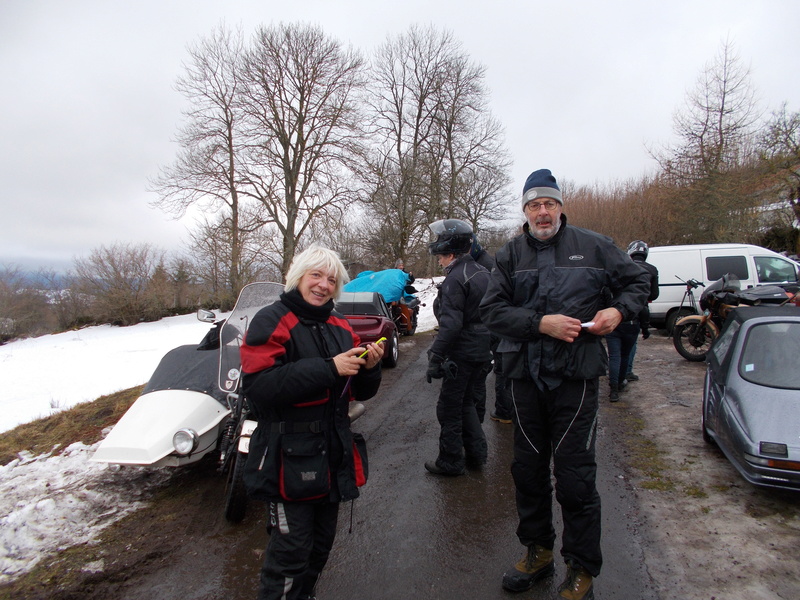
639, 248
453, 236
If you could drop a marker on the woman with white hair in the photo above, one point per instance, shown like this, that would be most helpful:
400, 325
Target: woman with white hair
302, 366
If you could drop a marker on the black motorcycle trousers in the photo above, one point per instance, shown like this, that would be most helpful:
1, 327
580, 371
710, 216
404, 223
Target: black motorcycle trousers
461, 433
560, 424
301, 536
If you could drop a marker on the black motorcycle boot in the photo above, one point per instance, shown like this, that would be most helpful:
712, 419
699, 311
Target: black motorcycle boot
631, 376
432, 466
614, 393
535, 565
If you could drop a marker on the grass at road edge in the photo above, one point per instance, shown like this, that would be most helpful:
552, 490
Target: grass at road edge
83, 422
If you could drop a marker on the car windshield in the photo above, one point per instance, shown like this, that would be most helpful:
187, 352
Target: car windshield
770, 355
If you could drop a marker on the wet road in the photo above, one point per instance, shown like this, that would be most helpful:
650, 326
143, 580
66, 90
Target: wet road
410, 534
415, 535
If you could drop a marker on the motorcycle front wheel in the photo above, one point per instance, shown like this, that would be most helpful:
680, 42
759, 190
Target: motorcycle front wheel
693, 340
236, 493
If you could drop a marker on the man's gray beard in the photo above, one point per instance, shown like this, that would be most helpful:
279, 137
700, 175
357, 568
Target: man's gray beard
535, 232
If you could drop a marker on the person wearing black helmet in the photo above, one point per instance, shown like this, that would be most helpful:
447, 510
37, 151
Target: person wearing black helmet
460, 350
638, 251
546, 301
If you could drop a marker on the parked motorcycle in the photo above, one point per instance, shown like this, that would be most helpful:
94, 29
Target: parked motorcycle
395, 287
192, 406
692, 335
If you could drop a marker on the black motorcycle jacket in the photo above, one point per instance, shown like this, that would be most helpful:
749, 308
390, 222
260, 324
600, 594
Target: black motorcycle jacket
644, 315
576, 273
462, 335
301, 403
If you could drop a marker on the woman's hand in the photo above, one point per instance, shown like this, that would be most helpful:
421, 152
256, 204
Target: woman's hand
374, 354
348, 363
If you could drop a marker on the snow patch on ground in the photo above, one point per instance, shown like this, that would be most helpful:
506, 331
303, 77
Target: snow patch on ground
54, 501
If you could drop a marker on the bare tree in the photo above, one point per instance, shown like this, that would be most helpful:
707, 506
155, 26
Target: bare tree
117, 279
24, 309
438, 152
780, 153
712, 164
406, 75
468, 146
304, 131
206, 172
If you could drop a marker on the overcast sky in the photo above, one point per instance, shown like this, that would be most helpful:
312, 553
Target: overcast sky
88, 109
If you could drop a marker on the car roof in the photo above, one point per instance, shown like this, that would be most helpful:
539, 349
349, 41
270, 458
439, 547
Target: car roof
726, 350
746, 313
345, 297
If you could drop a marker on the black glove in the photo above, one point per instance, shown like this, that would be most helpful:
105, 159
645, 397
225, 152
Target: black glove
435, 368
645, 333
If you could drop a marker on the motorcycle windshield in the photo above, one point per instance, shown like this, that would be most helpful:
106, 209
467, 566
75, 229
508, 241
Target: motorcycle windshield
252, 298
728, 283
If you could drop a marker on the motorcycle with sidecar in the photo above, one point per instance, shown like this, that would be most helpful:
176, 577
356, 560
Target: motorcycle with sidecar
193, 406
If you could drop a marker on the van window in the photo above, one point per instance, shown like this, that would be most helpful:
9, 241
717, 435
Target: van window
717, 266
775, 270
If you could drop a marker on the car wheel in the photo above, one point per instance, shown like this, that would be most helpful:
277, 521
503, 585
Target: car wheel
392, 350
706, 436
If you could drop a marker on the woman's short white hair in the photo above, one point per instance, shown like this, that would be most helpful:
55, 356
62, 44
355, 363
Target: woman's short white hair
313, 258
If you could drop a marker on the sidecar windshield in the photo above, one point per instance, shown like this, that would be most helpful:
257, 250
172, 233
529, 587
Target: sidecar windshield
252, 298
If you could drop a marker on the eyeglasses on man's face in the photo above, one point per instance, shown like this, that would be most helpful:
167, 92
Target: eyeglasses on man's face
550, 205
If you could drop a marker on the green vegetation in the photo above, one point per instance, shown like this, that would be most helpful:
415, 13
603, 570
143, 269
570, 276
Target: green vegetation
646, 457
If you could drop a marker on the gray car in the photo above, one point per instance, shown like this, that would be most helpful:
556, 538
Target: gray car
751, 395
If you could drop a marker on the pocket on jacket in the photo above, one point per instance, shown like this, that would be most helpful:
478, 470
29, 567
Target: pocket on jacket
360, 460
304, 467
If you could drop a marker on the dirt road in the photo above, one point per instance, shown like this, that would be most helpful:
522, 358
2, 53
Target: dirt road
678, 521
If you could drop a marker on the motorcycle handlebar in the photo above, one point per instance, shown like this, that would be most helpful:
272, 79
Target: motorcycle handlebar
691, 284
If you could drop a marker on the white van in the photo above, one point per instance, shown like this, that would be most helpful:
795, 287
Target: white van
706, 263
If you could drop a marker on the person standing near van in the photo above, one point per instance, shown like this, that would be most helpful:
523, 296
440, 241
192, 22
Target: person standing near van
546, 302
638, 251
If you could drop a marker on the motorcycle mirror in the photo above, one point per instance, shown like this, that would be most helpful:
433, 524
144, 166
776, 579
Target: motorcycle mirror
206, 316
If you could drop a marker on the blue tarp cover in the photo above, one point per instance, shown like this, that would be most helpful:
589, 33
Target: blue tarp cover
390, 283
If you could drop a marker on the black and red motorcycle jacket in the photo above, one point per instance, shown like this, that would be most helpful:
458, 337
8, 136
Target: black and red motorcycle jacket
293, 389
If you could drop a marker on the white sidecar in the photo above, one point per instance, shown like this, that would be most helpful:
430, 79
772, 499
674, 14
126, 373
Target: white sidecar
192, 406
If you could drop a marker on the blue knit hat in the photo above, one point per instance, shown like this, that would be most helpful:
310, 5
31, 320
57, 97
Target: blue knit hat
541, 184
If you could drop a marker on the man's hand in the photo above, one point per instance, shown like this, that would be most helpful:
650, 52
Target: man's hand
645, 333
435, 368
560, 327
605, 321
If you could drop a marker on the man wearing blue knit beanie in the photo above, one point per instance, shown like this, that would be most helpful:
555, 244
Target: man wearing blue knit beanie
556, 290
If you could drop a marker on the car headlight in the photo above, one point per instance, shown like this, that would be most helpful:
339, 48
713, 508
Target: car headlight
185, 441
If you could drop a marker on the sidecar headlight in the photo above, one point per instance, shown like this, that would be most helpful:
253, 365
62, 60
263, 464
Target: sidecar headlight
185, 441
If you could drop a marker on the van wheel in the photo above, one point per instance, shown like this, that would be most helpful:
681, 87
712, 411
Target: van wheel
674, 317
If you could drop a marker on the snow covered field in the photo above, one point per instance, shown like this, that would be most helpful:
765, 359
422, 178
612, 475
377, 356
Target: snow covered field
54, 501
